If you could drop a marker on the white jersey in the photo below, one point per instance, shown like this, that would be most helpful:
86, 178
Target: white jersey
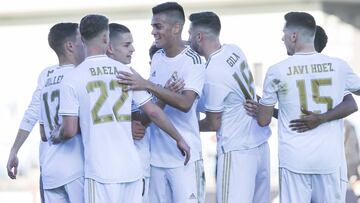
32, 113
228, 84
70, 152
92, 93
189, 66
143, 148
315, 82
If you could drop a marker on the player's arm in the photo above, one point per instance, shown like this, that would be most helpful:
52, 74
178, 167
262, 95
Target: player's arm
157, 116
312, 120
251, 108
264, 114
211, 122
13, 160
30, 118
183, 101
68, 129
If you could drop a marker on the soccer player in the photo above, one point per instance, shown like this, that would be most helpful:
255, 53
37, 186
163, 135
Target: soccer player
309, 172
312, 120
121, 49
61, 184
243, 163
66, 40
170, 180
92, 98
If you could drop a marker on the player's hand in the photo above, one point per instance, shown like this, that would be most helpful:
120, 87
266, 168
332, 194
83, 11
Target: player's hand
133, 80
137, 129
309, 121
251, 107
55, 135
176, 86
12, 165
185, 150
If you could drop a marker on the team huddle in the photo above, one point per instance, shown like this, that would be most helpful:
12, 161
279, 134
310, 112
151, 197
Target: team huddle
109, 135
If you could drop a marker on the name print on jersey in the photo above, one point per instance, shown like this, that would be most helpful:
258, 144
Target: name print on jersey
105, 70
314, 68
232, 59
54, 80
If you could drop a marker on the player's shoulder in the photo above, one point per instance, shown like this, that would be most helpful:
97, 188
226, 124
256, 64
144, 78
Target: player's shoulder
192, 56
46, 72
158, 54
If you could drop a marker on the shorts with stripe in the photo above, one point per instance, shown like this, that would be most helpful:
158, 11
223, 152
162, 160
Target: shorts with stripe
96, 192
244, 175
68, 193
184, 184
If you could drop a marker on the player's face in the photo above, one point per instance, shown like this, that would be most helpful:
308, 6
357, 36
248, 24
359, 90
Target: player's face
162, 30
121, 48
288, 40
79, 49
193, 35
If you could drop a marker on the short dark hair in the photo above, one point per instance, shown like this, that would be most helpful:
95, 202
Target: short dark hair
301, 19
207, 20
172, 9
153, 49
321, 39
116, 28
92, 25
59, 34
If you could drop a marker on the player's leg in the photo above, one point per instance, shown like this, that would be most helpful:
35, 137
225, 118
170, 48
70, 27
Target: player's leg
158, 185
200, 180
294, 187
57, 195
326, 188
262, 183
75, 190
183, 183
236, 176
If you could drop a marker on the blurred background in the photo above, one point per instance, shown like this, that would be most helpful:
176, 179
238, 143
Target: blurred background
254, 25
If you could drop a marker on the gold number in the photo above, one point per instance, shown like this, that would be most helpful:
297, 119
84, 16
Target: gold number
91, 86
315, 86
248, 80
120, 102
54, 94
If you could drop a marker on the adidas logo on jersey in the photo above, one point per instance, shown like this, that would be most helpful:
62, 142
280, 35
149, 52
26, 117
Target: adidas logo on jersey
192, 196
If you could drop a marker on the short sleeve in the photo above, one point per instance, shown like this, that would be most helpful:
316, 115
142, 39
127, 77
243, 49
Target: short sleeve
69, 103
214, 95
194, 77
32, 113
271, 86
352, 80
140, 98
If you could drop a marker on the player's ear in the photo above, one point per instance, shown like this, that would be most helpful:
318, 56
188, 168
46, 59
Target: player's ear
69, 46
177, 28
110, 50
